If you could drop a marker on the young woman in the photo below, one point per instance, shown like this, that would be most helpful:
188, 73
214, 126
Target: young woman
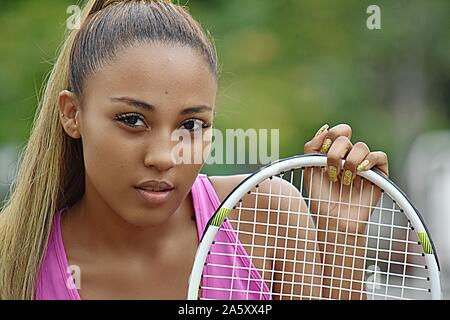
97, 190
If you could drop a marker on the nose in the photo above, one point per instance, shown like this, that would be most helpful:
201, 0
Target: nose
159, 153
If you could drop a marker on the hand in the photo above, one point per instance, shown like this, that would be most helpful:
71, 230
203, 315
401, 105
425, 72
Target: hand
334, 188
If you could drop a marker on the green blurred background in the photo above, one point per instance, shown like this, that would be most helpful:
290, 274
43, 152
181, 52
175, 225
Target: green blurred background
291, 65
287, 64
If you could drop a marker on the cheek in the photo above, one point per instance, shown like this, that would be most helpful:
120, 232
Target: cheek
206, 145
201, 146
186, 175
108, 159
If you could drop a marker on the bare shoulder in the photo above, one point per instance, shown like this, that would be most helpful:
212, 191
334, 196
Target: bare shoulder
223, 185
283, 194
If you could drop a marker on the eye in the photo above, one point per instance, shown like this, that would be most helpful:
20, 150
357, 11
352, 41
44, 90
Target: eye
130, 119
194, 124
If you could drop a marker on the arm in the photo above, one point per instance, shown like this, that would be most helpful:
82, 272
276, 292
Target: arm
343, 260
298, 262
322, 256
308, 268
340, 220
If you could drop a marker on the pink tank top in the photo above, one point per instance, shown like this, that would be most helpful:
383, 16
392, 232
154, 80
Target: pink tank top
55, 282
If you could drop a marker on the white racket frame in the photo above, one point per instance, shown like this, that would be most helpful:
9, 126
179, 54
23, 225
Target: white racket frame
300, 161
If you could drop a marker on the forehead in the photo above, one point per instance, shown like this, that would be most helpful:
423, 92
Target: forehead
155, 72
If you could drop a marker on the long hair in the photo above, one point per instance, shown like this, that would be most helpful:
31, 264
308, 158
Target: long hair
51, 173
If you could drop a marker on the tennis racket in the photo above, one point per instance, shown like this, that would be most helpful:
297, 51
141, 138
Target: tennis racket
267, 239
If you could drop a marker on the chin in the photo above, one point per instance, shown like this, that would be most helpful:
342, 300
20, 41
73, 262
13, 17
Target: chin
147, 218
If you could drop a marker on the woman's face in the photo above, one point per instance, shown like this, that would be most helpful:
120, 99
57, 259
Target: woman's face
132, 110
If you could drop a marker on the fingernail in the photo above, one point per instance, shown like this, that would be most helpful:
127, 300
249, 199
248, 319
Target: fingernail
326, 145
332, 173
347, 177
363, 166
322, 129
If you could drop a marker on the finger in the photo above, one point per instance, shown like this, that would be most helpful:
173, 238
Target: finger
314, 145
340, 130
322, 129
333, 133
376, 159
338, 150
356, 155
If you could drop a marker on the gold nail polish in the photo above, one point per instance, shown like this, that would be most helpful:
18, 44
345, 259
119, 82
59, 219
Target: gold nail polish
347, 177
363, 166
322, 129
326, 146
332, 173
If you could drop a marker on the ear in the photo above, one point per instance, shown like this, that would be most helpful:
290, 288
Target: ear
69, 112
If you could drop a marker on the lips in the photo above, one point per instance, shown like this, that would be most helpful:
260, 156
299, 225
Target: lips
153, 198
155, 186
155, 192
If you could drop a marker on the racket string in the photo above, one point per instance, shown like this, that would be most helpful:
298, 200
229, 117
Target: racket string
329, 277
392, 264
406, 264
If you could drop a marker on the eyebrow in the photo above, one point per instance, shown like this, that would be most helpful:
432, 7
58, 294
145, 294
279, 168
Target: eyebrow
148, 107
